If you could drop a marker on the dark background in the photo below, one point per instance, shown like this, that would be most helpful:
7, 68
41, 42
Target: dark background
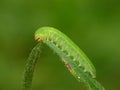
94, 25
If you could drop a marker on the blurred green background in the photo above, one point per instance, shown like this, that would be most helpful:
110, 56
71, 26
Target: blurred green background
94, 25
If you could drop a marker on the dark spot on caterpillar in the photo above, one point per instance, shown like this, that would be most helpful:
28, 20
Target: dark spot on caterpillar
68, 66
64, 51
49, 39
52, 41
77, 62
71, 57
59, 47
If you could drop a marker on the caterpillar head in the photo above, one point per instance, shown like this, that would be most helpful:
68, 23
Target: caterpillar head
41, 34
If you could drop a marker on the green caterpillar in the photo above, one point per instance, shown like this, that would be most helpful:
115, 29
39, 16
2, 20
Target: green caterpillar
65, 48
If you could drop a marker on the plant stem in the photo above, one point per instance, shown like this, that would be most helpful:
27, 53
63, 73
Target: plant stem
85, 77
30, 66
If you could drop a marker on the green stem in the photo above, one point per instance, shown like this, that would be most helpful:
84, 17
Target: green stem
30, 66
88, 80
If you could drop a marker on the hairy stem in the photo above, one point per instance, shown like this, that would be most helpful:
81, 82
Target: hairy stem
30, 66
